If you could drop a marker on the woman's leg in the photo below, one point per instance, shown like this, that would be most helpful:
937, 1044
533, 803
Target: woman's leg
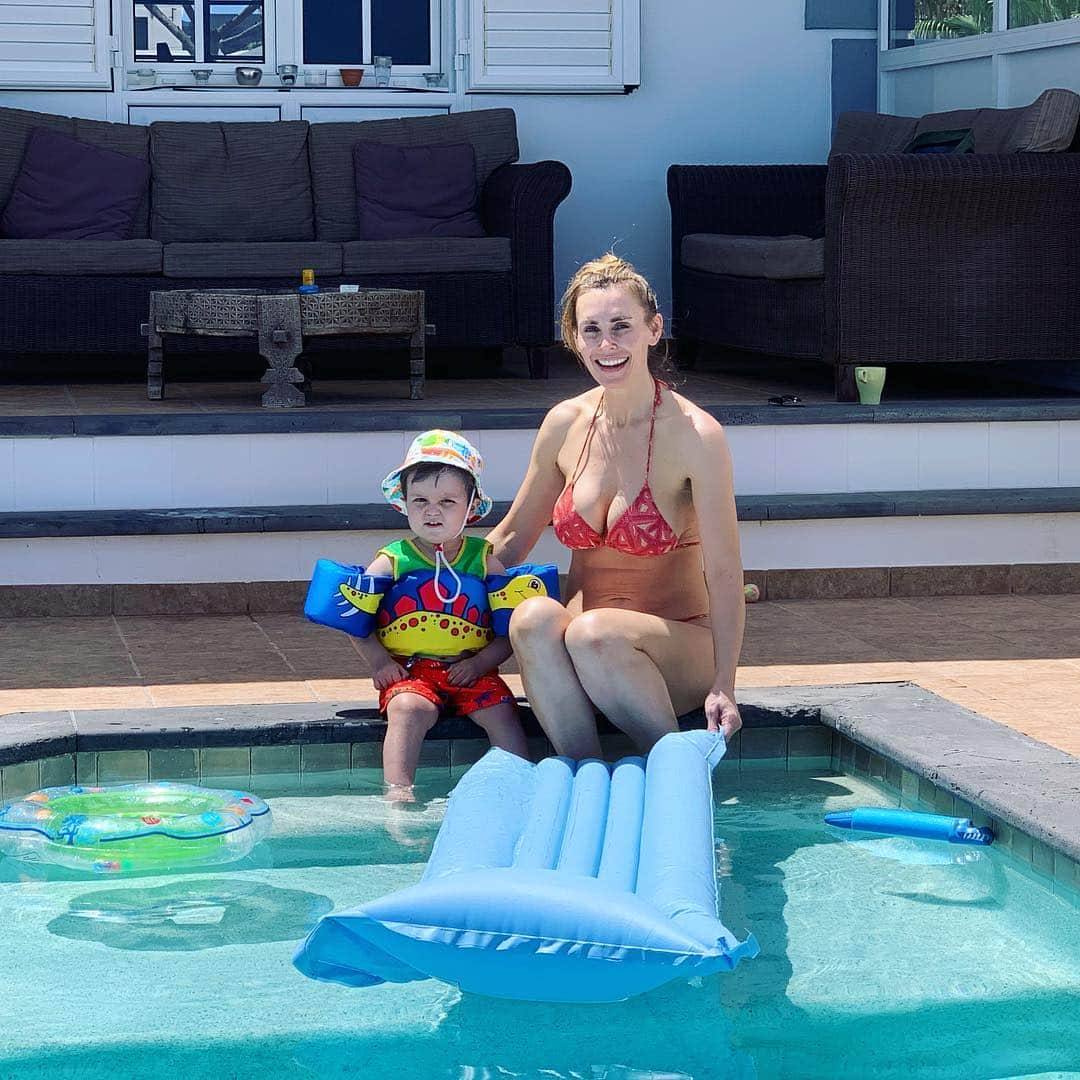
641, 671
561, 705
409, 717
503, 727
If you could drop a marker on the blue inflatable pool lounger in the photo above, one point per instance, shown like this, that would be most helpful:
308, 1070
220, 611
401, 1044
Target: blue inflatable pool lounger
562, 881
955, 830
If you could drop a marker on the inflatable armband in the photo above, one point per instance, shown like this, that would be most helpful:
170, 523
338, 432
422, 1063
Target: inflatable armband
344, 597
561, 881
911, 823
506, 591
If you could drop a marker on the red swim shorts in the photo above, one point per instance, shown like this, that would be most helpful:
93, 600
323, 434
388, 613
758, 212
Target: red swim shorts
430, 679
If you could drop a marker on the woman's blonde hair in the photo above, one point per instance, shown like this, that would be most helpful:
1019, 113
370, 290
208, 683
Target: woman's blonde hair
607, 272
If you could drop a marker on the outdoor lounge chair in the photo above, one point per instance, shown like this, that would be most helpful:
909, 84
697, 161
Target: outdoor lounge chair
885, 257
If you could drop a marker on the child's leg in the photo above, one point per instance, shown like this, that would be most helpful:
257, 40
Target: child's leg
409, 717
503, 727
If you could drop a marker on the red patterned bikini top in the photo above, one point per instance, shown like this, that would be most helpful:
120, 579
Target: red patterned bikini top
639, 530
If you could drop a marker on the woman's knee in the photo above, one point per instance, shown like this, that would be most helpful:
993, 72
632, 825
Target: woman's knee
597, 634
538, 619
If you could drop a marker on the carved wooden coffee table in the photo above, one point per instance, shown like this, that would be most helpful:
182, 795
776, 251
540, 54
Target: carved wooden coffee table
280, 321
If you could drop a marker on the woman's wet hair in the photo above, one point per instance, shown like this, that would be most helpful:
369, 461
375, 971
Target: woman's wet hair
430, 470
607, 272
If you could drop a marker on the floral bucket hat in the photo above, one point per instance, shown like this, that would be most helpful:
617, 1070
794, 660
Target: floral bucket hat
439, 447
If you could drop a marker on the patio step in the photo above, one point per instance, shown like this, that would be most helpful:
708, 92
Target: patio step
377, 517
237, 558
200, 498
168, 461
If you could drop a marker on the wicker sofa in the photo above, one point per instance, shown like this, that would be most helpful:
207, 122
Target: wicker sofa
250, 204
886, 257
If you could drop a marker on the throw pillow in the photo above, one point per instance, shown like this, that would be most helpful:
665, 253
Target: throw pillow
958, 141
69, 190
415, 191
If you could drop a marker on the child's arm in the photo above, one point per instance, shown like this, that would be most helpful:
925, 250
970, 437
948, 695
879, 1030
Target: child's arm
385, 670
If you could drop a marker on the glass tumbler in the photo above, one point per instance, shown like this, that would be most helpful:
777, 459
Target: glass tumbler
382, 70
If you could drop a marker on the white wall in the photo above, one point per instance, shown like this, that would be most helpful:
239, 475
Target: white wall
731, 83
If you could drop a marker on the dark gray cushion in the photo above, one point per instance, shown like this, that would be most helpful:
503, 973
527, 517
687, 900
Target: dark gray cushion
491, 132
1046, 126
230, 259
15, 128
93, 258
404, 192
70, 190
431, 255
775, 257
130, 139
872, 133
234, 181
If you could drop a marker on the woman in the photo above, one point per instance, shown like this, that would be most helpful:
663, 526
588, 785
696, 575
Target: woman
637, 483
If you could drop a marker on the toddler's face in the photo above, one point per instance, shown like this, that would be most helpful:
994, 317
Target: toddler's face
437, 507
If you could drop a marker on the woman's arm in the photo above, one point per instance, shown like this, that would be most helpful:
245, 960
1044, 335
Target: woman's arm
516, 535
714, 503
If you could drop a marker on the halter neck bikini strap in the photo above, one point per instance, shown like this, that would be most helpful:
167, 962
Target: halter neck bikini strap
652, 428
592, 427
588, 439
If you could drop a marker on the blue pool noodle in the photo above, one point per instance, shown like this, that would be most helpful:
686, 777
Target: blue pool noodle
955, 830
563, 881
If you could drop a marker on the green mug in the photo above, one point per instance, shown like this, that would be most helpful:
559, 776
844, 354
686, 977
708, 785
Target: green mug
869, 381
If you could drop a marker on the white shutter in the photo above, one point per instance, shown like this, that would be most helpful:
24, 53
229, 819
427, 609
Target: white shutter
54, 44
548, 46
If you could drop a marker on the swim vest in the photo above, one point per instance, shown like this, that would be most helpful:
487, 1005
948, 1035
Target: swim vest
412, 620
405, 610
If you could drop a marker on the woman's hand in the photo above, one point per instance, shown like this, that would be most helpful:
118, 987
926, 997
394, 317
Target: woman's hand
722, 714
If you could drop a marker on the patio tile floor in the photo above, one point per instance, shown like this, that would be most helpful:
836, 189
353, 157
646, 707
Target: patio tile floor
1026, 678
717, 381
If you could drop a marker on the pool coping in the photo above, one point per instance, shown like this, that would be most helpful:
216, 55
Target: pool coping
1028, 785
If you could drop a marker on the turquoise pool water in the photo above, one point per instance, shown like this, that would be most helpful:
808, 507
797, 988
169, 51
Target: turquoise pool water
878, 960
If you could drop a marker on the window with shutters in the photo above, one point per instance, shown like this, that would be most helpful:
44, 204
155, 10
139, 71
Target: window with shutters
55, 44
549, 46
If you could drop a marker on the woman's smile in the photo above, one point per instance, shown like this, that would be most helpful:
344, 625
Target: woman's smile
611, 362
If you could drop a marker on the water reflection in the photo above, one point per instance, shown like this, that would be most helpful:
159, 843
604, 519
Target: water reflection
190, 915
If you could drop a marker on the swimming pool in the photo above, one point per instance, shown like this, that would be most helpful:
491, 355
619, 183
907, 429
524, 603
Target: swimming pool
881, 957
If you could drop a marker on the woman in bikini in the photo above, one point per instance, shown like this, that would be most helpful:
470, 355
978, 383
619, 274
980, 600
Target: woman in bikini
636, 480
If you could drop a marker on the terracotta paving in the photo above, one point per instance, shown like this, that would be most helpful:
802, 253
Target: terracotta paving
1015, 659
